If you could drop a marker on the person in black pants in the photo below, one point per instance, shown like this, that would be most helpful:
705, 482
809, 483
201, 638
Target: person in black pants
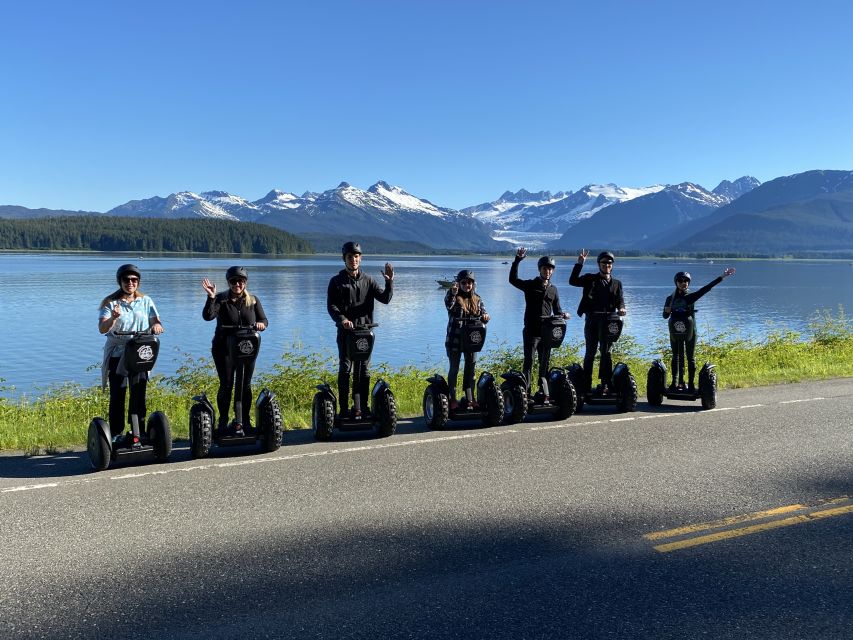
237, 308
541, 298
462, 302
602, 293
350, 301
679, 307
126, 309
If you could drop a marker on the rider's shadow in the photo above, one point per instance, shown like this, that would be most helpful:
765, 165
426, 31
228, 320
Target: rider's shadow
59, 465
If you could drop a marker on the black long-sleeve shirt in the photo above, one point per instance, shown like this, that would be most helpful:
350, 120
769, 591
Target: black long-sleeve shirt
599, 293
540, 299
226, 312
686, 300
353, 298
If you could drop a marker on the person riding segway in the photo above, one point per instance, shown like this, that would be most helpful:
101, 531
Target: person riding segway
350, 300
130, 321
680, 312
603, 304
235, 346
465, 337
544, 330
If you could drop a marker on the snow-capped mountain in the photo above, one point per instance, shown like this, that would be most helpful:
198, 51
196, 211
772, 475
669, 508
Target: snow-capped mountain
637, 222
734, 190
534, 219
184, 204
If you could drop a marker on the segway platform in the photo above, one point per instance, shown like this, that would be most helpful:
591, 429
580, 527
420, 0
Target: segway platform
488, 409
706, 390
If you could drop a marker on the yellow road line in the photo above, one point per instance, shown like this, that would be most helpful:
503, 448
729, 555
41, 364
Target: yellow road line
724, 522
757, 528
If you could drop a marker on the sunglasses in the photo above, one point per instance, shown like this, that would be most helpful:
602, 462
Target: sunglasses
234, 281
467, 282
129, 279
682, 280
610, 262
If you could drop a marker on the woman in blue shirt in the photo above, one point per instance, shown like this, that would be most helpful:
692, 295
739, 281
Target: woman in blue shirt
126, 309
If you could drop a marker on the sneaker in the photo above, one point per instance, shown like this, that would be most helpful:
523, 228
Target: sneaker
355, 414
238, 430
474, 405
546, 400
454, 404
539, 397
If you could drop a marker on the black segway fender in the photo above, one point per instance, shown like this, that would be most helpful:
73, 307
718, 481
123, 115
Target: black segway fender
99, 444
708, 386
323, 409
625, 386
491, 400
440, 385
514, 389
436, 403
384, 408
563, 392
268, 419
656, 383
160, 434
576, 377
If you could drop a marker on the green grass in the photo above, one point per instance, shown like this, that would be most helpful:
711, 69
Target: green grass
58, 420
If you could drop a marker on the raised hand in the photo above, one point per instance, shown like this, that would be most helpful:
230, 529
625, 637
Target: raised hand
388, 274
521, 254
209, 287
454, 288
730, 271
582, 256
115, 312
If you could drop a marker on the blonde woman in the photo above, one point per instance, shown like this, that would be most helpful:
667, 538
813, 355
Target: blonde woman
233, 308
461, 302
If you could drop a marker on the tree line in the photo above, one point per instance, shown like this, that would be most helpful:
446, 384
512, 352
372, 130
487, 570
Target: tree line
108, 233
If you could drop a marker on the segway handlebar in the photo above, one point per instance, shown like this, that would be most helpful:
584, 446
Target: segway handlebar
369, 325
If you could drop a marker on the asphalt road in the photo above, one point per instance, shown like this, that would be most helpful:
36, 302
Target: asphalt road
540, 530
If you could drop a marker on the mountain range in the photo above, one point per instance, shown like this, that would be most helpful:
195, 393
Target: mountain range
810, 211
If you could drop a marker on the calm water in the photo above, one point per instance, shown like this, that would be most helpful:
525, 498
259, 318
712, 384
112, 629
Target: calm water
48, 316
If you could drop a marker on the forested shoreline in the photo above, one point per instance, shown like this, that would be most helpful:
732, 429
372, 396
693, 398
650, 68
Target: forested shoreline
187, 235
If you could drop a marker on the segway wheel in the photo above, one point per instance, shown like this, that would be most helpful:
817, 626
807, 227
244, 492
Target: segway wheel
322, 417
269, 419
494, 406
201, 432
567, 399
708, 388
655, 384
100, 451
436, 408
161, 435
386, 408
515, 403
627, 394
576, 377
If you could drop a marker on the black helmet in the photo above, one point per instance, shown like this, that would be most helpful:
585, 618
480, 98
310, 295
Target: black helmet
606, 254
350, 247
546, 261
236, 272
681, 275
465, 274
126, 269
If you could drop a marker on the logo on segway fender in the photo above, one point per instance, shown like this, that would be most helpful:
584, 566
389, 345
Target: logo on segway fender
245, 347
362, 344
145, 353
475, 337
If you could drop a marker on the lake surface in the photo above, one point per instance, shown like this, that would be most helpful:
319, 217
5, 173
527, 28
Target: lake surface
48, 315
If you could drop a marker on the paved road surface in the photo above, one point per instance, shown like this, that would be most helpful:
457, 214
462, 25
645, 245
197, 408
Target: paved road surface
540, 530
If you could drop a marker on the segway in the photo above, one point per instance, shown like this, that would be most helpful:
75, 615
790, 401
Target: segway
681, 327
562, 400
488, 405
382, 412
140, 355
243, 348
621, 388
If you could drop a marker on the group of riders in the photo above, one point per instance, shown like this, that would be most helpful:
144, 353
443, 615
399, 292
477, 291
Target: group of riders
350, 300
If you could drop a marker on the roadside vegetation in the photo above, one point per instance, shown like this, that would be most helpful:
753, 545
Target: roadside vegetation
59, 419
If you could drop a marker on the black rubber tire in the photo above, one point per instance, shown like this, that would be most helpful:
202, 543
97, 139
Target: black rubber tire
575, 375
627, 395
322, 417
436, 409
269, 421
566, 399
160, 435
386, 410
708, 389
655, 385
100, 451
493, 405
201, 432
515, 403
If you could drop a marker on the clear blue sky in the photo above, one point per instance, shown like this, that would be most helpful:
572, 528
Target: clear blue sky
455, 101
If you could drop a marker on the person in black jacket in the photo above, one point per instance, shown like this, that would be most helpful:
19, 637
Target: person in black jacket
233, 308
349, 301
541, 298
602, 294
679, 308
462, 302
